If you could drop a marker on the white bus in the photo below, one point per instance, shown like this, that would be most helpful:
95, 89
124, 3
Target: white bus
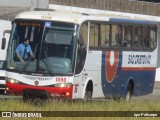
82, 56
4, 25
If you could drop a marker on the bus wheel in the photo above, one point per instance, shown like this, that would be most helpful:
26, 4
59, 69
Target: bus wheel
25, 97
129, 93
88, 91
88, 95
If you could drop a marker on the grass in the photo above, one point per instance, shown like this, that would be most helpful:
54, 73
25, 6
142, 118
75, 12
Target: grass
61, 105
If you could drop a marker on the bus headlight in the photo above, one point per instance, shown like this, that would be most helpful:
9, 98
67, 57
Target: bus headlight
12, 80
63, 85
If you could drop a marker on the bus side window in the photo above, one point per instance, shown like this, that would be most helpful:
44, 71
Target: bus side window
105, 36
117, 35
153, 37
127, 37
146, 37
137, 37
93, 43
82, 47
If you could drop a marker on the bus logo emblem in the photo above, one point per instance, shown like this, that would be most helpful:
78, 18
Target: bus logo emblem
36, 82
112, 59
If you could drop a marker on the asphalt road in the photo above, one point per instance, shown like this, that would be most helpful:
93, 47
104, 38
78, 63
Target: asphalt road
155, 96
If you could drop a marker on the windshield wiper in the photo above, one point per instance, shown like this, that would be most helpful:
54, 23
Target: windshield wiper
45, 63
29, 61
48, 68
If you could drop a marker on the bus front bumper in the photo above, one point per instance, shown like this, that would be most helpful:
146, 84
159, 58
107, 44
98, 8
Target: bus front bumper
55, 92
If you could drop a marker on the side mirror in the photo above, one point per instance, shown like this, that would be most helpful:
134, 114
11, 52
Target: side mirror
4, 39
3, 43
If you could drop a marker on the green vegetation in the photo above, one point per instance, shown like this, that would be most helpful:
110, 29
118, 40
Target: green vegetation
79, 105
61, 105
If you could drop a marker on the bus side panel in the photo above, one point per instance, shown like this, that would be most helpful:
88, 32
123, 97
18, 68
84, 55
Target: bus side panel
143, 82
111, 76
143, 68
117, 72
93, 70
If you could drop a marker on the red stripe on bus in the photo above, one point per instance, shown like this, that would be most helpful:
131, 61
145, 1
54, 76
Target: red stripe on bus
138, 68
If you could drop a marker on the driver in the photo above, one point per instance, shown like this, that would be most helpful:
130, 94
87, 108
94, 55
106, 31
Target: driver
23, 50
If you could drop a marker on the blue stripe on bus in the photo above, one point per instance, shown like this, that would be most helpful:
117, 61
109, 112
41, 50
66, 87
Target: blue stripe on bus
122, 20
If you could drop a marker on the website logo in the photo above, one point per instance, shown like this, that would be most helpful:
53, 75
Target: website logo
6, 114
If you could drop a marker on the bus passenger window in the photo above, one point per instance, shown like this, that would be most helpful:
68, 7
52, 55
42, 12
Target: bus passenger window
146, 38
93, 35
82, 48
116, 35
137, 37
153, 37
127, 36
105, 36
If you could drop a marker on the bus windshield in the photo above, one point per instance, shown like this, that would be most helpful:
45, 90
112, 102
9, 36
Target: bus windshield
2, 65
50, 49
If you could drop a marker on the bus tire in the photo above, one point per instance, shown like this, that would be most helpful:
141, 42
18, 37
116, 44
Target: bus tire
25, 97
88, 95
88, 91
128, 93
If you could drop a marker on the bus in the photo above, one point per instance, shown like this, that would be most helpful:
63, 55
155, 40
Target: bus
4, 25
82, 56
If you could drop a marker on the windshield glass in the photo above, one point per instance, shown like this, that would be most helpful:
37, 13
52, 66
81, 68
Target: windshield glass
42, 47
2, 65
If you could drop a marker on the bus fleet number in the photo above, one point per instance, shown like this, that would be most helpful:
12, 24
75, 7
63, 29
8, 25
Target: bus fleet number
59, 79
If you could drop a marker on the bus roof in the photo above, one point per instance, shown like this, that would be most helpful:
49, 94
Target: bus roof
78, 18
103, 12
53, 16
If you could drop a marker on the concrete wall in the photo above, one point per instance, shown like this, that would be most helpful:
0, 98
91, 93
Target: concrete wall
10, 8
130, 6
25, 3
